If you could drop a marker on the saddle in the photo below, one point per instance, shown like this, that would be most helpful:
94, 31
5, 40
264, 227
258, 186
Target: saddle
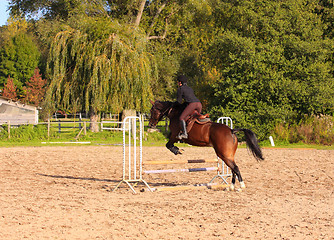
196, 117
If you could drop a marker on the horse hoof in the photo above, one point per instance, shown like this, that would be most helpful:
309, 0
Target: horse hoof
238, 190
232, 187
242, 185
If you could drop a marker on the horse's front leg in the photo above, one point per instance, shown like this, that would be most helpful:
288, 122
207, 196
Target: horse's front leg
171, 147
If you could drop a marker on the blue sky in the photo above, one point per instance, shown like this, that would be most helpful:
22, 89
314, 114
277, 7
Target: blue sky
3, 13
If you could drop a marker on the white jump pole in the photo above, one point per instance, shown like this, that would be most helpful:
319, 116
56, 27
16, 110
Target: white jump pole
132, 170
223, 172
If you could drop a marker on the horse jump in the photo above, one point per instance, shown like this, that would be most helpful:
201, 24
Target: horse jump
222, 169
133, 163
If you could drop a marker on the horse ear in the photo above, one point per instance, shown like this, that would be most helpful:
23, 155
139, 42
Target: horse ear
151, 102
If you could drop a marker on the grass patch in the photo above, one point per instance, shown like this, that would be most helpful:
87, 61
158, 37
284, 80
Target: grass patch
284, 144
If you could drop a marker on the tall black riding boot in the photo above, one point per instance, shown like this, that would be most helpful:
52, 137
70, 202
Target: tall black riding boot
183, 133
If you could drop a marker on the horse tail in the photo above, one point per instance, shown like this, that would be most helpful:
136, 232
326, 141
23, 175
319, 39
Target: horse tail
251, 142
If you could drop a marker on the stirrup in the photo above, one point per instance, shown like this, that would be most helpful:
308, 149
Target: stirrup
182, 136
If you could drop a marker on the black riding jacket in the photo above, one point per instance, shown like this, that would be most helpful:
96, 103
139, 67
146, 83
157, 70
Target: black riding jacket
185, 92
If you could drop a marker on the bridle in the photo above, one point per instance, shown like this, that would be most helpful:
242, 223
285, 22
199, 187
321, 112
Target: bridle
165, 112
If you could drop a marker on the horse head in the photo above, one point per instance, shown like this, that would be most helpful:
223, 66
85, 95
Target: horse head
158, 111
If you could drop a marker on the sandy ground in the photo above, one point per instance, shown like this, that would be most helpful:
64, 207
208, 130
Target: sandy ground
64, 193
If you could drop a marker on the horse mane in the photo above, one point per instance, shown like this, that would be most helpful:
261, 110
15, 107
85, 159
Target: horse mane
165, 106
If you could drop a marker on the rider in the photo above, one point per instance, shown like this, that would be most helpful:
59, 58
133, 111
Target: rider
185, 92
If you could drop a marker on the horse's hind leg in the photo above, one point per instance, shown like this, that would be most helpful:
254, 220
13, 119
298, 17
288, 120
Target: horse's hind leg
233, 181
235, 171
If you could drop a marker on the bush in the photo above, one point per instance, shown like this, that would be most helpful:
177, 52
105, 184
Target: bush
311, 130
24, 133
261, 122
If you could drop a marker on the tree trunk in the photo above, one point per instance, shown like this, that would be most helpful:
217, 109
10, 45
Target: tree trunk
130, 113
94, 119
140, 12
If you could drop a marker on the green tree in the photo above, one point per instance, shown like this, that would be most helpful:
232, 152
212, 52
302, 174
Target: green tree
159, 20
272, 63
19, 54
325, 10
50, 9
101, 60
100, 66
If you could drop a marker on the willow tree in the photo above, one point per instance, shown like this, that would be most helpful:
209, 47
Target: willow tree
100, 66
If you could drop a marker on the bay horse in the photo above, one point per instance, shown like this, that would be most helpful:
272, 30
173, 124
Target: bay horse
219, 136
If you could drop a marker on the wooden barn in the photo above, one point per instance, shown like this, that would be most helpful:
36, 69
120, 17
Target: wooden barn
17, 113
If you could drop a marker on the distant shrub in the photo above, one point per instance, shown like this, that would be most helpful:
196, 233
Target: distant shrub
24, 133
311, 130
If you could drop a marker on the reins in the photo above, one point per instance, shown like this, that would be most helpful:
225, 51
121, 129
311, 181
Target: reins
168, 109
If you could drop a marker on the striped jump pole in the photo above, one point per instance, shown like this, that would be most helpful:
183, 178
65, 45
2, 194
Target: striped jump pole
213, 186
162, 162
132, 169
181, 170
223, 171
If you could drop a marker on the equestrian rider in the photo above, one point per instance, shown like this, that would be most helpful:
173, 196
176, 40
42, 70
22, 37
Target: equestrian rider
185, 92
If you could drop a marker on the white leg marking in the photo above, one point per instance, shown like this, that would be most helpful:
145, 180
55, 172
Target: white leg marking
242, 185
232, 187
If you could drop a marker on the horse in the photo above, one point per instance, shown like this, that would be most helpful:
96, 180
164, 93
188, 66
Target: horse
219, 136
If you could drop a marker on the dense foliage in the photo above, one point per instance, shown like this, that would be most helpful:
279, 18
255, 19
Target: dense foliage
272, 64
263, 63
19, 54
100, 65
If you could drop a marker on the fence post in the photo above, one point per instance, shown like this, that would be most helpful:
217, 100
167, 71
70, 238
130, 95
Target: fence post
8, 129
84, 128
142, 120
59, 126
48, 128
